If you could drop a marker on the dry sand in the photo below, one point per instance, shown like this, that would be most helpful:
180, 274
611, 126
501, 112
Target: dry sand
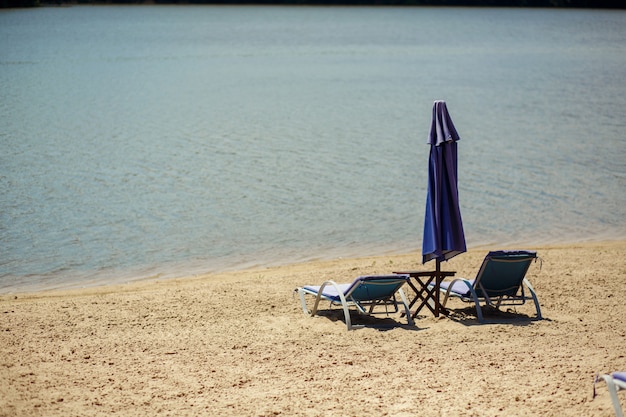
238, 344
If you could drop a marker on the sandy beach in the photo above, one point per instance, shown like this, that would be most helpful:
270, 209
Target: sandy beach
238, 344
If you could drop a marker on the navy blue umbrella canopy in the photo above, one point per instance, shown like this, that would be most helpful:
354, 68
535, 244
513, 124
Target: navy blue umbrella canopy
443, 228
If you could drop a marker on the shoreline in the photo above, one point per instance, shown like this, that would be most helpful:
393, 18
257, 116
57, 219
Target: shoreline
160, 277
109, 280
238, 343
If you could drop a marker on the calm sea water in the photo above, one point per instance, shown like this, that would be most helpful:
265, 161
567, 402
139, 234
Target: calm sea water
166, 141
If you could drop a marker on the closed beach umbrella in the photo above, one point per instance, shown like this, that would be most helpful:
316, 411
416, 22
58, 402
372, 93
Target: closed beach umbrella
443, 228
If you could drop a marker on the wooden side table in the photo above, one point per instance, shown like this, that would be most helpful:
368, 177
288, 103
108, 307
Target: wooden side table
419, 282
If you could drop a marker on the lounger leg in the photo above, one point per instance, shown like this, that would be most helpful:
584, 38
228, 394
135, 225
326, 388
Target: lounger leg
479, 310
303, 301
344, 303
534, 295
613, 393
445, 299
407, 311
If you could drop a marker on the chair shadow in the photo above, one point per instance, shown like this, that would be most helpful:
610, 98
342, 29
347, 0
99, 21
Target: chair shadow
467, 317
377, 321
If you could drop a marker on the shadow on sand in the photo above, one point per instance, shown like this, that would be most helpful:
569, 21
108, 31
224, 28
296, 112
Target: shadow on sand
378, 321
491, 315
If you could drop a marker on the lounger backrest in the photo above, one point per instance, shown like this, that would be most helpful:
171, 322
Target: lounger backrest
502, 273
371, 288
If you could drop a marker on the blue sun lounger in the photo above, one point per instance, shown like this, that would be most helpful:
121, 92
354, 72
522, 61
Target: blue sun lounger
499, 282
364, 293
615, 382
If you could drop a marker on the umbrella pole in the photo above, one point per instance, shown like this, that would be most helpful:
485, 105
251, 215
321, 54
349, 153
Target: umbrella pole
439, 276
438, 279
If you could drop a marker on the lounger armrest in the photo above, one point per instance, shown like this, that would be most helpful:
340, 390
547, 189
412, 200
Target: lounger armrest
319, 294
342, 297
463, 283
528, 285
451, 286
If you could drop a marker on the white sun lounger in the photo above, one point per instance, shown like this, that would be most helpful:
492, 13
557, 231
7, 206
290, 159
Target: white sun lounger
366, 291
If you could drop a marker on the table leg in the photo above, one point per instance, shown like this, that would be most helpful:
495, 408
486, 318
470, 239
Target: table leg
425, 294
